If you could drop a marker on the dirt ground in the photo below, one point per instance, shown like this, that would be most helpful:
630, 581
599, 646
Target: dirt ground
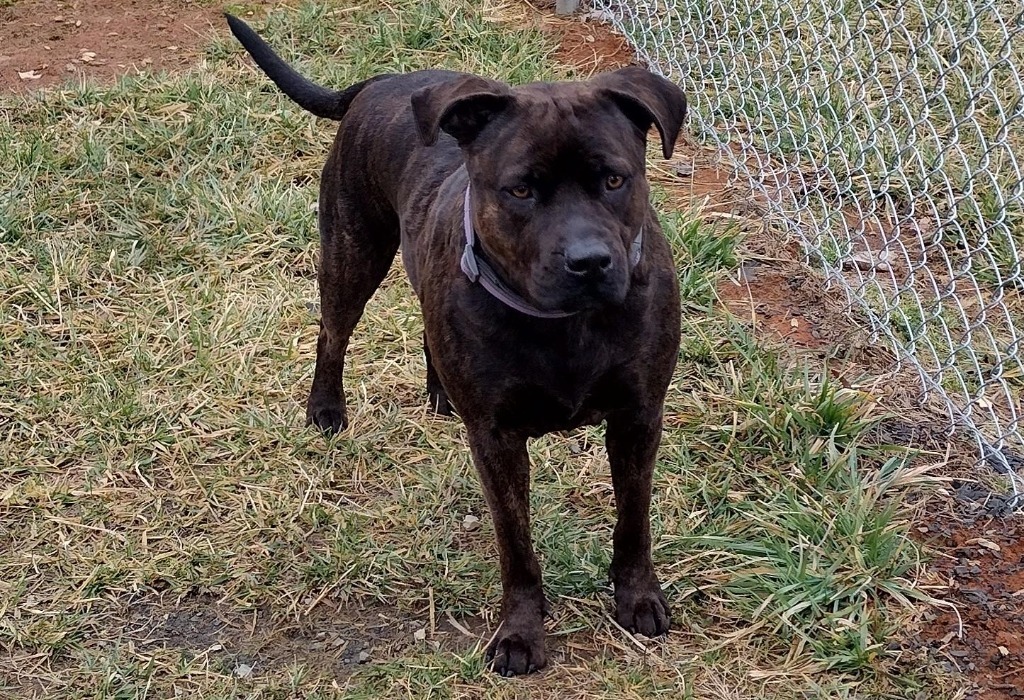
978, 553
44, 42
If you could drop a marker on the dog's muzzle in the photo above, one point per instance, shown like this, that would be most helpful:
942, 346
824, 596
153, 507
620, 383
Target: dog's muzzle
584, 261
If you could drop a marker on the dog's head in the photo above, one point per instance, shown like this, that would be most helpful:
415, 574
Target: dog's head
557, 169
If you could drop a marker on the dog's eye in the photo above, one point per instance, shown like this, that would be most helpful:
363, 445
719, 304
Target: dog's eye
520, 192
614, 182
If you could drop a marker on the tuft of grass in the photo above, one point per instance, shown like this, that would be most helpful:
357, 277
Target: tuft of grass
169, 528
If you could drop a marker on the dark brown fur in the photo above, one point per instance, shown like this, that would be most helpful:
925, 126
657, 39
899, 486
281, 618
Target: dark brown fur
405, 151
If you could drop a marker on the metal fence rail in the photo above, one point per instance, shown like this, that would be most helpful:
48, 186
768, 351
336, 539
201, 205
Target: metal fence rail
888, 136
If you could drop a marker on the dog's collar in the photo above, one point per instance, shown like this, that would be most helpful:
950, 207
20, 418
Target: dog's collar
477, 269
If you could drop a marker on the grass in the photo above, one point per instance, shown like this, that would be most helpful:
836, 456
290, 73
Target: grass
169, 529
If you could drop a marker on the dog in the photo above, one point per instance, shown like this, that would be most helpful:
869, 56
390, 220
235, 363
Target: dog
548, 290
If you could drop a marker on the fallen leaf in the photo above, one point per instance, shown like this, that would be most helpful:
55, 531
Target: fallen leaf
30, 75
988, 544
242, 671
794, 323
868, 260
419, 635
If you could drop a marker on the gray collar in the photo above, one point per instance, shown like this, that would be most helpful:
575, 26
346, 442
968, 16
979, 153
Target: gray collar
477, 269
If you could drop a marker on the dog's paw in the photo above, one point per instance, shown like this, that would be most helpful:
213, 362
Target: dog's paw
331, 420
642, 609
517, 651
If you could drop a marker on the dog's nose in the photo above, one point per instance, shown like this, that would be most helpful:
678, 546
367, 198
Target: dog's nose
588, 258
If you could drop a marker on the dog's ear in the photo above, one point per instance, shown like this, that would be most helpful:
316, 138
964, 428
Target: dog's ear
646, 99
460, 107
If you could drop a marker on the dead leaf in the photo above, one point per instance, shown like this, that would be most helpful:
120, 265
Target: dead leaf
868, 260
794, 323
988, 544
30, 75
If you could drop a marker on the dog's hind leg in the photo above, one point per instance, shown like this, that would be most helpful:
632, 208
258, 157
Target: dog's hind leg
357, 246
436, 394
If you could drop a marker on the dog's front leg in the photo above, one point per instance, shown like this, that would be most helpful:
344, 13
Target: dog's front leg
504, 467
632, 440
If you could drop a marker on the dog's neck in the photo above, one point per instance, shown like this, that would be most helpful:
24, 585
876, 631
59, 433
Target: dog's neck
477, 269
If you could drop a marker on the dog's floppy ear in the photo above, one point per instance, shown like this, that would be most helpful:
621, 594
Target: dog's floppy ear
461, 107
647, 98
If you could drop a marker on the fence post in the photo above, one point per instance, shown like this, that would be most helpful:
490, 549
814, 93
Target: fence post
566, 7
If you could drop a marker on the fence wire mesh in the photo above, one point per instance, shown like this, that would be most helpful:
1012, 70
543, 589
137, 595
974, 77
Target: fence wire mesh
888, 136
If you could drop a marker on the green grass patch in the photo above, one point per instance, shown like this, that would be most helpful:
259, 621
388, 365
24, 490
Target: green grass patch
168, 523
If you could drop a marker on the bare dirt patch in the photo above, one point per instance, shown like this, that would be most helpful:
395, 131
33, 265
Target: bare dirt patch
980, 557
333, 638
592, 47
99, 39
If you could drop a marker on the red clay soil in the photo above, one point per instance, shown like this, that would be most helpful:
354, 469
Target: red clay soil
591, 47
980, 556
98, 39
778, 301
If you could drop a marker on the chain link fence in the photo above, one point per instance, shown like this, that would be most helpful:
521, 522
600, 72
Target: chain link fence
888, 136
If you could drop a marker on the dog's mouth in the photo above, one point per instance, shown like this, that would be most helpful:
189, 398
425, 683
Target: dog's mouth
574, 294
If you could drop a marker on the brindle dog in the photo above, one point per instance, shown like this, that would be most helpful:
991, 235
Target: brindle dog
557, 307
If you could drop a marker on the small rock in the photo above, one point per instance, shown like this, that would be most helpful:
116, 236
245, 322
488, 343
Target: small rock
30, 75
242, 671
419, 635
682, 169
470, 522
364, 656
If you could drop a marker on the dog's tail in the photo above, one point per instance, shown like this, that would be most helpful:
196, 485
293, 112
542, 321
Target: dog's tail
329, 104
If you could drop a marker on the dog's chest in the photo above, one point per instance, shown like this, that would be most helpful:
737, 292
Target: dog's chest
559, 396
